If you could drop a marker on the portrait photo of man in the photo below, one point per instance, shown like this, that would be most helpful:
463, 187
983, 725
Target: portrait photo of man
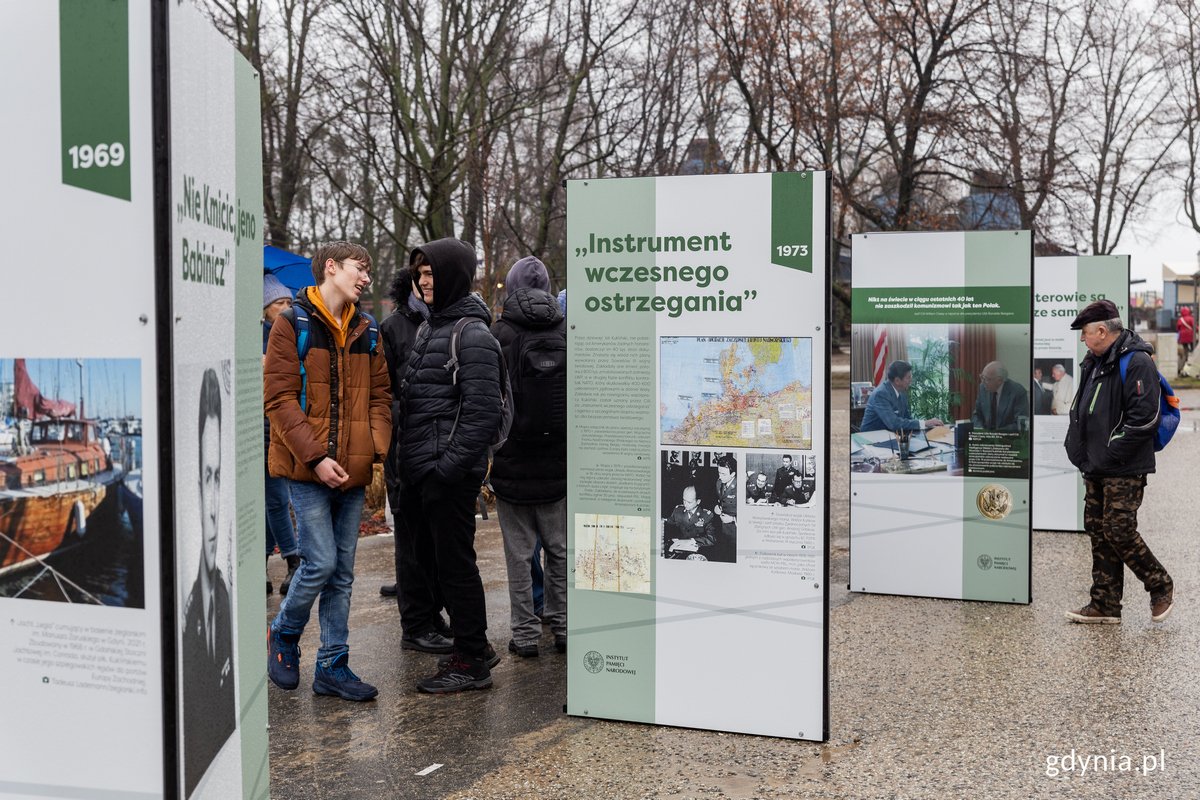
207, 668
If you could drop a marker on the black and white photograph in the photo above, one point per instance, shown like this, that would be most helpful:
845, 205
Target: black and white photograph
208, 661
787, 480
71, 481
699, 505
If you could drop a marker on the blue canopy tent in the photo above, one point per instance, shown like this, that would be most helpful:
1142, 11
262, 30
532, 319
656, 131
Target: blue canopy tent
292, 270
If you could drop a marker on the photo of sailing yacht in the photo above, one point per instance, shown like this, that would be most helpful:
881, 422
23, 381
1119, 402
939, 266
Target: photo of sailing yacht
70, 481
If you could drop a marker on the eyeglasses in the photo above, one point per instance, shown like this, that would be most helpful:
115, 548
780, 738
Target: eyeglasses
363, 271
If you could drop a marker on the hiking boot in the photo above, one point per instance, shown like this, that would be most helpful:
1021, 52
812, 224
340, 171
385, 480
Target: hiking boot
560, 642
1089, 614
1161, 608
430, 642
490, 657
458, 674
283, 659
338, 680
293, 562
523, 650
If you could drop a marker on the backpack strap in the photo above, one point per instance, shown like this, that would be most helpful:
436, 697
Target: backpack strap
1123, 364
301, 324
372, 330
452, 364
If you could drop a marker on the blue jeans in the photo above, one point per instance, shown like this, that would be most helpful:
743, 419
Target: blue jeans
327, 528
279, 519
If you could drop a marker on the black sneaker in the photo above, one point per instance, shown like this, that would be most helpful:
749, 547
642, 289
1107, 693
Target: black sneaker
523, 650
490, 657
458, 674
431, 642
293, 564
283, 659
560, 642
339, 680
388, 590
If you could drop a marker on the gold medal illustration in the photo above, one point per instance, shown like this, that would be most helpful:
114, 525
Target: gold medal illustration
994, 501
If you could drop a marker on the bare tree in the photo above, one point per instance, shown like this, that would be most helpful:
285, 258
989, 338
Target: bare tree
1186, 96
1125, 130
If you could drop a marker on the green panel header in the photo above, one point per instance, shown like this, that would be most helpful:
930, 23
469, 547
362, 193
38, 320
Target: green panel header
949, 304
791, 220
94, 75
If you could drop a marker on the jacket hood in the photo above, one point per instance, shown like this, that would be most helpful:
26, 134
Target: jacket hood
532, 308
1185, 311
401, 287
528, 273
453, 263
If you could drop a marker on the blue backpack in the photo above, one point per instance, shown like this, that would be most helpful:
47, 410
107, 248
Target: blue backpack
302, 344
1168, 406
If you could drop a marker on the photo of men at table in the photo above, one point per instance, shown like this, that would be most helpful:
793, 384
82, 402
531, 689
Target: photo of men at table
774, 479
938, 387
1053, 386
699, 504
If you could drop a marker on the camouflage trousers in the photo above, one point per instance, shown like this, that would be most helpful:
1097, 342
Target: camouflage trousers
1110, 518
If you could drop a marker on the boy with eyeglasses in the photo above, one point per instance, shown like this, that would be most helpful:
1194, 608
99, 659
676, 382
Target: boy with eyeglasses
330, 422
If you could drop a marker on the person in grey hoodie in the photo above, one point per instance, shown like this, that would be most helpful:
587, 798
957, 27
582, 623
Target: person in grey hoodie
529, 473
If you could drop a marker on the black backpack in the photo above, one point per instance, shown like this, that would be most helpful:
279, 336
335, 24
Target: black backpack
538, 373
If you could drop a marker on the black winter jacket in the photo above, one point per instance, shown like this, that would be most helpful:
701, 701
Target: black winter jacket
528, 471
431, 398
1113, 422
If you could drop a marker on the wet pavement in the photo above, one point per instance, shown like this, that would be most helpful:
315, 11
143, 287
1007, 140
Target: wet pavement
929, 698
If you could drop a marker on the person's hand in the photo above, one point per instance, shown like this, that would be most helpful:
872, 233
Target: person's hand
330, 473
934, 423
727, 518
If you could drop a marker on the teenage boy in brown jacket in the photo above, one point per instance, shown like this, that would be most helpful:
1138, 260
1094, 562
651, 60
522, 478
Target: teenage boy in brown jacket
330, 421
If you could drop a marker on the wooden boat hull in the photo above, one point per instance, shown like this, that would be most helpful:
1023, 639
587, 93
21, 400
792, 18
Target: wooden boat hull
35, 522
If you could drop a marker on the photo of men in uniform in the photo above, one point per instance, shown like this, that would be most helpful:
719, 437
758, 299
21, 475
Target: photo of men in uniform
790, 486
207, 667
699, 503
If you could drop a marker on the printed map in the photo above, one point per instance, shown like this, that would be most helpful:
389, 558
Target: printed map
612, 553
726, 391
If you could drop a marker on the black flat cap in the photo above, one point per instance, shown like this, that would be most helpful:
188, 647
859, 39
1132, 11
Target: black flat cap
1098, 311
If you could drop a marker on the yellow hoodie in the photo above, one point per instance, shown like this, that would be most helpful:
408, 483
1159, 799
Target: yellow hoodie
339, 329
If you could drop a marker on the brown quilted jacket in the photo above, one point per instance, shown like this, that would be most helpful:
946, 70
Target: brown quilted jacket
348, 414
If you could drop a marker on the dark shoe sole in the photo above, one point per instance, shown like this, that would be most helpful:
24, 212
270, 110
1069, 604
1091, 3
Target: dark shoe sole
482, 683
331, 691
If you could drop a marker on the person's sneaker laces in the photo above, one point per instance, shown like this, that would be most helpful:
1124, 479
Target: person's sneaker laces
339, 680
1089, 614
1161, 608
456, 675
283, 659
490, 657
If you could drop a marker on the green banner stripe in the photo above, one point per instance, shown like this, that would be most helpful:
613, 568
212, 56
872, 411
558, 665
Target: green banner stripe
791, 220
946, 304
94, 95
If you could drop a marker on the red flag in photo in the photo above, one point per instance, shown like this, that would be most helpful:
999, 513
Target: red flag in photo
881, 353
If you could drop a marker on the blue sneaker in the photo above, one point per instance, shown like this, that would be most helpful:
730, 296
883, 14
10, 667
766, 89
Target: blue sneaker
339, 680
283, 659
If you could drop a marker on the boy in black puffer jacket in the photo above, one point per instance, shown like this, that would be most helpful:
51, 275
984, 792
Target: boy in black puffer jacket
446, 423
